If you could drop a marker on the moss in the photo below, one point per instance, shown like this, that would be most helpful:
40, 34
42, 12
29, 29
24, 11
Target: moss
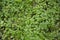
30, 19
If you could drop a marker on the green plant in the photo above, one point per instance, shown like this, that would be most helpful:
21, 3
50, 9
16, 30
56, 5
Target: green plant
30, 19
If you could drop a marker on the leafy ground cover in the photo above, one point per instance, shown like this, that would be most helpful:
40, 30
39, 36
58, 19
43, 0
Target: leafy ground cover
29, 19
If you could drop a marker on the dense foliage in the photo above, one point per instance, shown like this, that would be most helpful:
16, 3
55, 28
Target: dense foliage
29, 19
